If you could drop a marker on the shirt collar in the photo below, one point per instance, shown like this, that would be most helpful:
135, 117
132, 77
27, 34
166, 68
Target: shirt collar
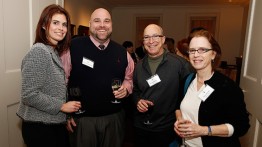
97, 43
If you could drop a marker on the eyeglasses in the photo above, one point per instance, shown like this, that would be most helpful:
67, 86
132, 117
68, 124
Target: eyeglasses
201, 50
154, 37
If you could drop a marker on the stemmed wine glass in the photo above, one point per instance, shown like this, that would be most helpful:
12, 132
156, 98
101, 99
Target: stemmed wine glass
184, 143
75, 94
116, 84
149, 112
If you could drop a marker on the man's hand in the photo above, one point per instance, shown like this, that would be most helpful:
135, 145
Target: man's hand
70, 124
121, 92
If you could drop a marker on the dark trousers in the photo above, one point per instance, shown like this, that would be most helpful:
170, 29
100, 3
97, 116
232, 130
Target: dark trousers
43, 135
145, 138
102, 131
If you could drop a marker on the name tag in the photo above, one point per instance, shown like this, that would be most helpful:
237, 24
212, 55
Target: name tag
88, 62
153, 80
203, 95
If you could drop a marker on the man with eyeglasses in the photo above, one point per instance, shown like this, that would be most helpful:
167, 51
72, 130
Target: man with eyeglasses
156, 83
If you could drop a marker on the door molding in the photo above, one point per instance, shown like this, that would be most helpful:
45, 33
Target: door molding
141, 21
204, 17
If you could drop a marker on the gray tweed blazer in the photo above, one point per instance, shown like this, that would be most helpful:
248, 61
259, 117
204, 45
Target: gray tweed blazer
43, 86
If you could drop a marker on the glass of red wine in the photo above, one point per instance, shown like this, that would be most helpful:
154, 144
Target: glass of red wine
116, 84
75, 94
148, 113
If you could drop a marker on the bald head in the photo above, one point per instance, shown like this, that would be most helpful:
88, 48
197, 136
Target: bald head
100, 12
100, 25
154, 40
153, 28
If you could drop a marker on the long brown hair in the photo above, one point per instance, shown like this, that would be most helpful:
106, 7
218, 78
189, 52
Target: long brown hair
214, 45
43, 27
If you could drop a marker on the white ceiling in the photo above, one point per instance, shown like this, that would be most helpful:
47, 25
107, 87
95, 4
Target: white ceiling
128, 3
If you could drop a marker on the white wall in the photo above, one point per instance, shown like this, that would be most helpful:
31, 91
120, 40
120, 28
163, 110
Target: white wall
175, 24
18, 21
81, 10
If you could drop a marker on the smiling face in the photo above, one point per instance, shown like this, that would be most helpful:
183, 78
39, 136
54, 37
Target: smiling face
154, 40
57, 29
101, 25
201, 61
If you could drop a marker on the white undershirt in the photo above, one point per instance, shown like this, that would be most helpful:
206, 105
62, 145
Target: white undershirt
190, 107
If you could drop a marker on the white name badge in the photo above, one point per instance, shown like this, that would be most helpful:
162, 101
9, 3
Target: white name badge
205, 93
153, 80
88, 62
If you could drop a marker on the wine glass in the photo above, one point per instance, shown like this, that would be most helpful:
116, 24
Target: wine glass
184, 143
149, 112
75, 94
116, 84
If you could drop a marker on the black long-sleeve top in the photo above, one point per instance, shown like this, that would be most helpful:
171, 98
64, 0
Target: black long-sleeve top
225, 105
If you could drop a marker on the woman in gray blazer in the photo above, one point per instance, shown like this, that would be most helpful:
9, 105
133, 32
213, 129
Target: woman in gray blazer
43, 105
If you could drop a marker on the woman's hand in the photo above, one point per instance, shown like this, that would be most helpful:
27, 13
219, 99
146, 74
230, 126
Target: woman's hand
185, 128
180, 128
71, 106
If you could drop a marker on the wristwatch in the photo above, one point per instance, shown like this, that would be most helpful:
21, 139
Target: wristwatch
209, 131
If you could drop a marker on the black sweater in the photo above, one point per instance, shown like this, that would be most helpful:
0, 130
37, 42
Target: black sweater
95, 83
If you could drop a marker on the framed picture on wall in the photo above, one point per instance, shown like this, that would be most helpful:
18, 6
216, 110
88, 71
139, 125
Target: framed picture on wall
73, 29
83, 30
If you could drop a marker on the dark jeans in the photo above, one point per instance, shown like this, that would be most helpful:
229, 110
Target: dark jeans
43, 135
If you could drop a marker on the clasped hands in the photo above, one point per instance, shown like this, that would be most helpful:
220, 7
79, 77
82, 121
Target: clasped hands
186, 128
